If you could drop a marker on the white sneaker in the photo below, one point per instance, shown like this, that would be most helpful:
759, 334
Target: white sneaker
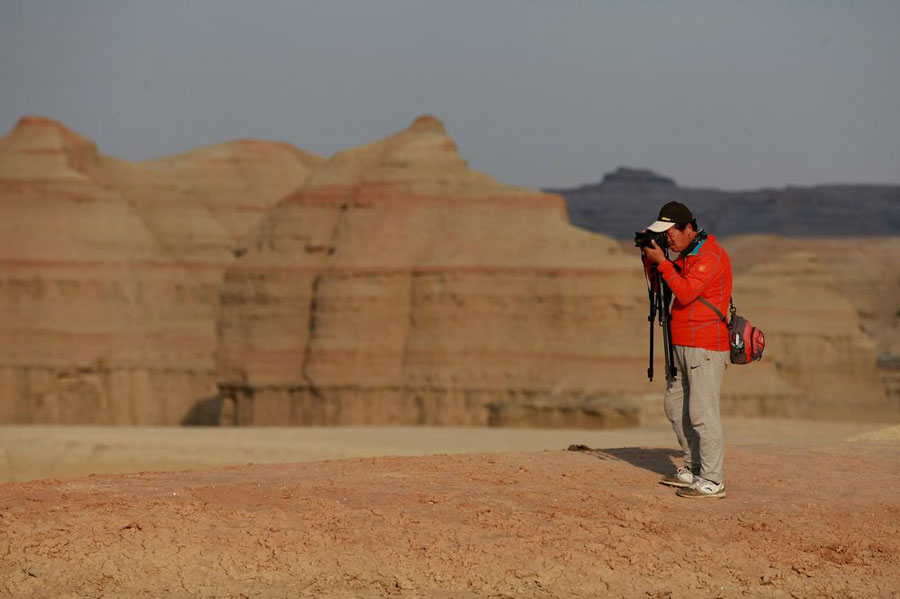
703, 488
683, 477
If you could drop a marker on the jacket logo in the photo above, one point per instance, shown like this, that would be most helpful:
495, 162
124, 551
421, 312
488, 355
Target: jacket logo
701, 268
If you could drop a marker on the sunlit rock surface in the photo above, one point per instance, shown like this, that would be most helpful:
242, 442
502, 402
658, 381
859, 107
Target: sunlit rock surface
253, 283
399, 286
109, 284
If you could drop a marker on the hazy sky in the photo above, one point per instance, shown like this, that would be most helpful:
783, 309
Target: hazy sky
552, 93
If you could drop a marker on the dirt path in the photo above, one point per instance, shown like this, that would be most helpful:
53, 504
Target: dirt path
800, 520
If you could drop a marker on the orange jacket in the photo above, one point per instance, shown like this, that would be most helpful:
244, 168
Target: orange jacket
705, 272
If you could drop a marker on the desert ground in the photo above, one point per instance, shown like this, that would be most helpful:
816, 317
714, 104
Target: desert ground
36, 452
813, 510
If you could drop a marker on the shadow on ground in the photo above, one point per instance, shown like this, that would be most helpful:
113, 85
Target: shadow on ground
205, 412
660, 461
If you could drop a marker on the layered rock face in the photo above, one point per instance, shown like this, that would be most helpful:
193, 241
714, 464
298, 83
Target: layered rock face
88, 295
392, 286
109, 285
865, 270
398, 286
814, 280
815, 343
238, 182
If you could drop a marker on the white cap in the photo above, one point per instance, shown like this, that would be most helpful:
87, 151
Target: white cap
660, 226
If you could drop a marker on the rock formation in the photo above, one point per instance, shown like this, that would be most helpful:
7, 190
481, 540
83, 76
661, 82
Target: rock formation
863, 271
398, 286
853, 229
109, 284
238, 182
627, 199
633, 179
393, 285
815, 343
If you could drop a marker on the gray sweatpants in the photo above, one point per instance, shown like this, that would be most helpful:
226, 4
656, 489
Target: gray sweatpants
692, 406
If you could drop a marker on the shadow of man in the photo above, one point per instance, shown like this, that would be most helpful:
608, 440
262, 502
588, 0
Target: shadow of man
660, 461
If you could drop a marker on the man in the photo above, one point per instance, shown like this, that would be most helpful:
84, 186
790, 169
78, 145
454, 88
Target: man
701, 271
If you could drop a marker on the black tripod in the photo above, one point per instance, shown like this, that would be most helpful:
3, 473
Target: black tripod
660, 298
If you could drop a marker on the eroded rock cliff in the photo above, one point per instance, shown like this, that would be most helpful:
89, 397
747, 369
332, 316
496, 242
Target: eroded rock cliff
815, 342
398, 286
109, 284
393, 285
239, 181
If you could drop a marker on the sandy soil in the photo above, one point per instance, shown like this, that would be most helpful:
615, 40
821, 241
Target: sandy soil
35, 452
800, 520
536, 524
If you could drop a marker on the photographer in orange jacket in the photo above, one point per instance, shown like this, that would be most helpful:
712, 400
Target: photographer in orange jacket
702, 269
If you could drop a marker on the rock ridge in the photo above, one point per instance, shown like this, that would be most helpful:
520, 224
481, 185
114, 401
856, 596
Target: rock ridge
42, 143
253, 283
110, 280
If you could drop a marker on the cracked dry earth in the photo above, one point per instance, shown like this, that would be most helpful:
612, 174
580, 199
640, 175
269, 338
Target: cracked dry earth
799, 521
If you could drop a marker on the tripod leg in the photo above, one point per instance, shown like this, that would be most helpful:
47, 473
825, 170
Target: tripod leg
671, 371
666, 298
652, 320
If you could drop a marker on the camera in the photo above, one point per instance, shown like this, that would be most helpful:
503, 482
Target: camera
642, 239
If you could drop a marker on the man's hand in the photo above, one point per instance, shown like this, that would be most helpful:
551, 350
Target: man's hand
654, 255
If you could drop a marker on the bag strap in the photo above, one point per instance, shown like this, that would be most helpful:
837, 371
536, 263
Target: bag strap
716, 310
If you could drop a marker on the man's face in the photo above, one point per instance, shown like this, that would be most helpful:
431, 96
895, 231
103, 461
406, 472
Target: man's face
679, 240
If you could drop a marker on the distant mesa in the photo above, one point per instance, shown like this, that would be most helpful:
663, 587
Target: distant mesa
636, 176
628, 198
